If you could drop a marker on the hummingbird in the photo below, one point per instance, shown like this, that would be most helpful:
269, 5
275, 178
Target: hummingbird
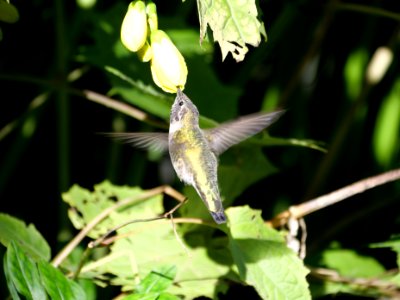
194, 151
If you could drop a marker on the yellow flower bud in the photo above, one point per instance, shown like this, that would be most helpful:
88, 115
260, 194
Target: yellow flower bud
145, 53
168, 66
134, 26
152, 18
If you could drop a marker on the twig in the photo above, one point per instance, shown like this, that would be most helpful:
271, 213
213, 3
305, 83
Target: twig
104, 237
301, 210
118, 106
384, 287
376, 11
81, 235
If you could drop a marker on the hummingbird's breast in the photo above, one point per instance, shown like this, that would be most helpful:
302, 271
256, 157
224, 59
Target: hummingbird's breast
195, 164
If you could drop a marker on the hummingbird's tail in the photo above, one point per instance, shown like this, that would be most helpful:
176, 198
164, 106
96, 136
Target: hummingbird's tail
219, 217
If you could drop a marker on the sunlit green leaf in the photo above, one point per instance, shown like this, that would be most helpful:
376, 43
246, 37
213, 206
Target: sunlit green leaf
234, 24
154, 285
354, 72
13, 229
349, 263
263, 259
57, 285
10, 284
23, 273
87, 205
145, 246
157, 280
387, 131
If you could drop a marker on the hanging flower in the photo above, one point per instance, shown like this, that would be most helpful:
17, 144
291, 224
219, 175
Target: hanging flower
134, 26
168, 67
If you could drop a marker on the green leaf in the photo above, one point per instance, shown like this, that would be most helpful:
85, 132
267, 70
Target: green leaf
154, 284
87, 205
10, 284
386, 134
349, 263
57, 285
187, 41
234, 24
23, 273
263, 259
143, 247
393, 243
354, 72
13, 229
157, 280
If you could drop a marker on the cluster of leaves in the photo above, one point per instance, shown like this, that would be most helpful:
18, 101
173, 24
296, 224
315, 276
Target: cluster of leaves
154, 260
147, 259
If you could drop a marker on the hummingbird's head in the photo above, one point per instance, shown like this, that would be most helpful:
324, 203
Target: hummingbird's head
183, 110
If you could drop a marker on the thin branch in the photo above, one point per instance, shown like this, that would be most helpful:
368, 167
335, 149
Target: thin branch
104, 240
90, 95
118, 106
301, 210
384, 287
81, 235
101, 239
368, 10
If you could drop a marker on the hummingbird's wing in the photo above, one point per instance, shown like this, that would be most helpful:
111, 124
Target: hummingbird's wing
157, 141
233, 132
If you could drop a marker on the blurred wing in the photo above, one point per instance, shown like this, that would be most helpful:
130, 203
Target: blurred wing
233, 132
157, 141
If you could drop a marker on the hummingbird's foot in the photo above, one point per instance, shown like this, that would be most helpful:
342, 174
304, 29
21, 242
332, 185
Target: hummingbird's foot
219, 217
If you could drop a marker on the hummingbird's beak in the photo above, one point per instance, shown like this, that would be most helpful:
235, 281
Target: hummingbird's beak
179, 92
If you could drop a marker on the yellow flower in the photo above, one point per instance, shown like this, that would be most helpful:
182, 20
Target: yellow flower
145, 53
152, 18
168, 66
134, 26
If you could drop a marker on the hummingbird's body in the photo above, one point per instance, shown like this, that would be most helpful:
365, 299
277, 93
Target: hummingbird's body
192, 158
194, 151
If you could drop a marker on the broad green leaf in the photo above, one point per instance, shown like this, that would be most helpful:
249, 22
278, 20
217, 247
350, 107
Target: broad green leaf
33, 243
145, 246
234, 24
57, 285
263, 259
349, 263
23, 273
87, 205
387, 131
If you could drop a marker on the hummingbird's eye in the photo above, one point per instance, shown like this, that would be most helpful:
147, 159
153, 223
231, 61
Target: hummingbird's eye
180, 103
